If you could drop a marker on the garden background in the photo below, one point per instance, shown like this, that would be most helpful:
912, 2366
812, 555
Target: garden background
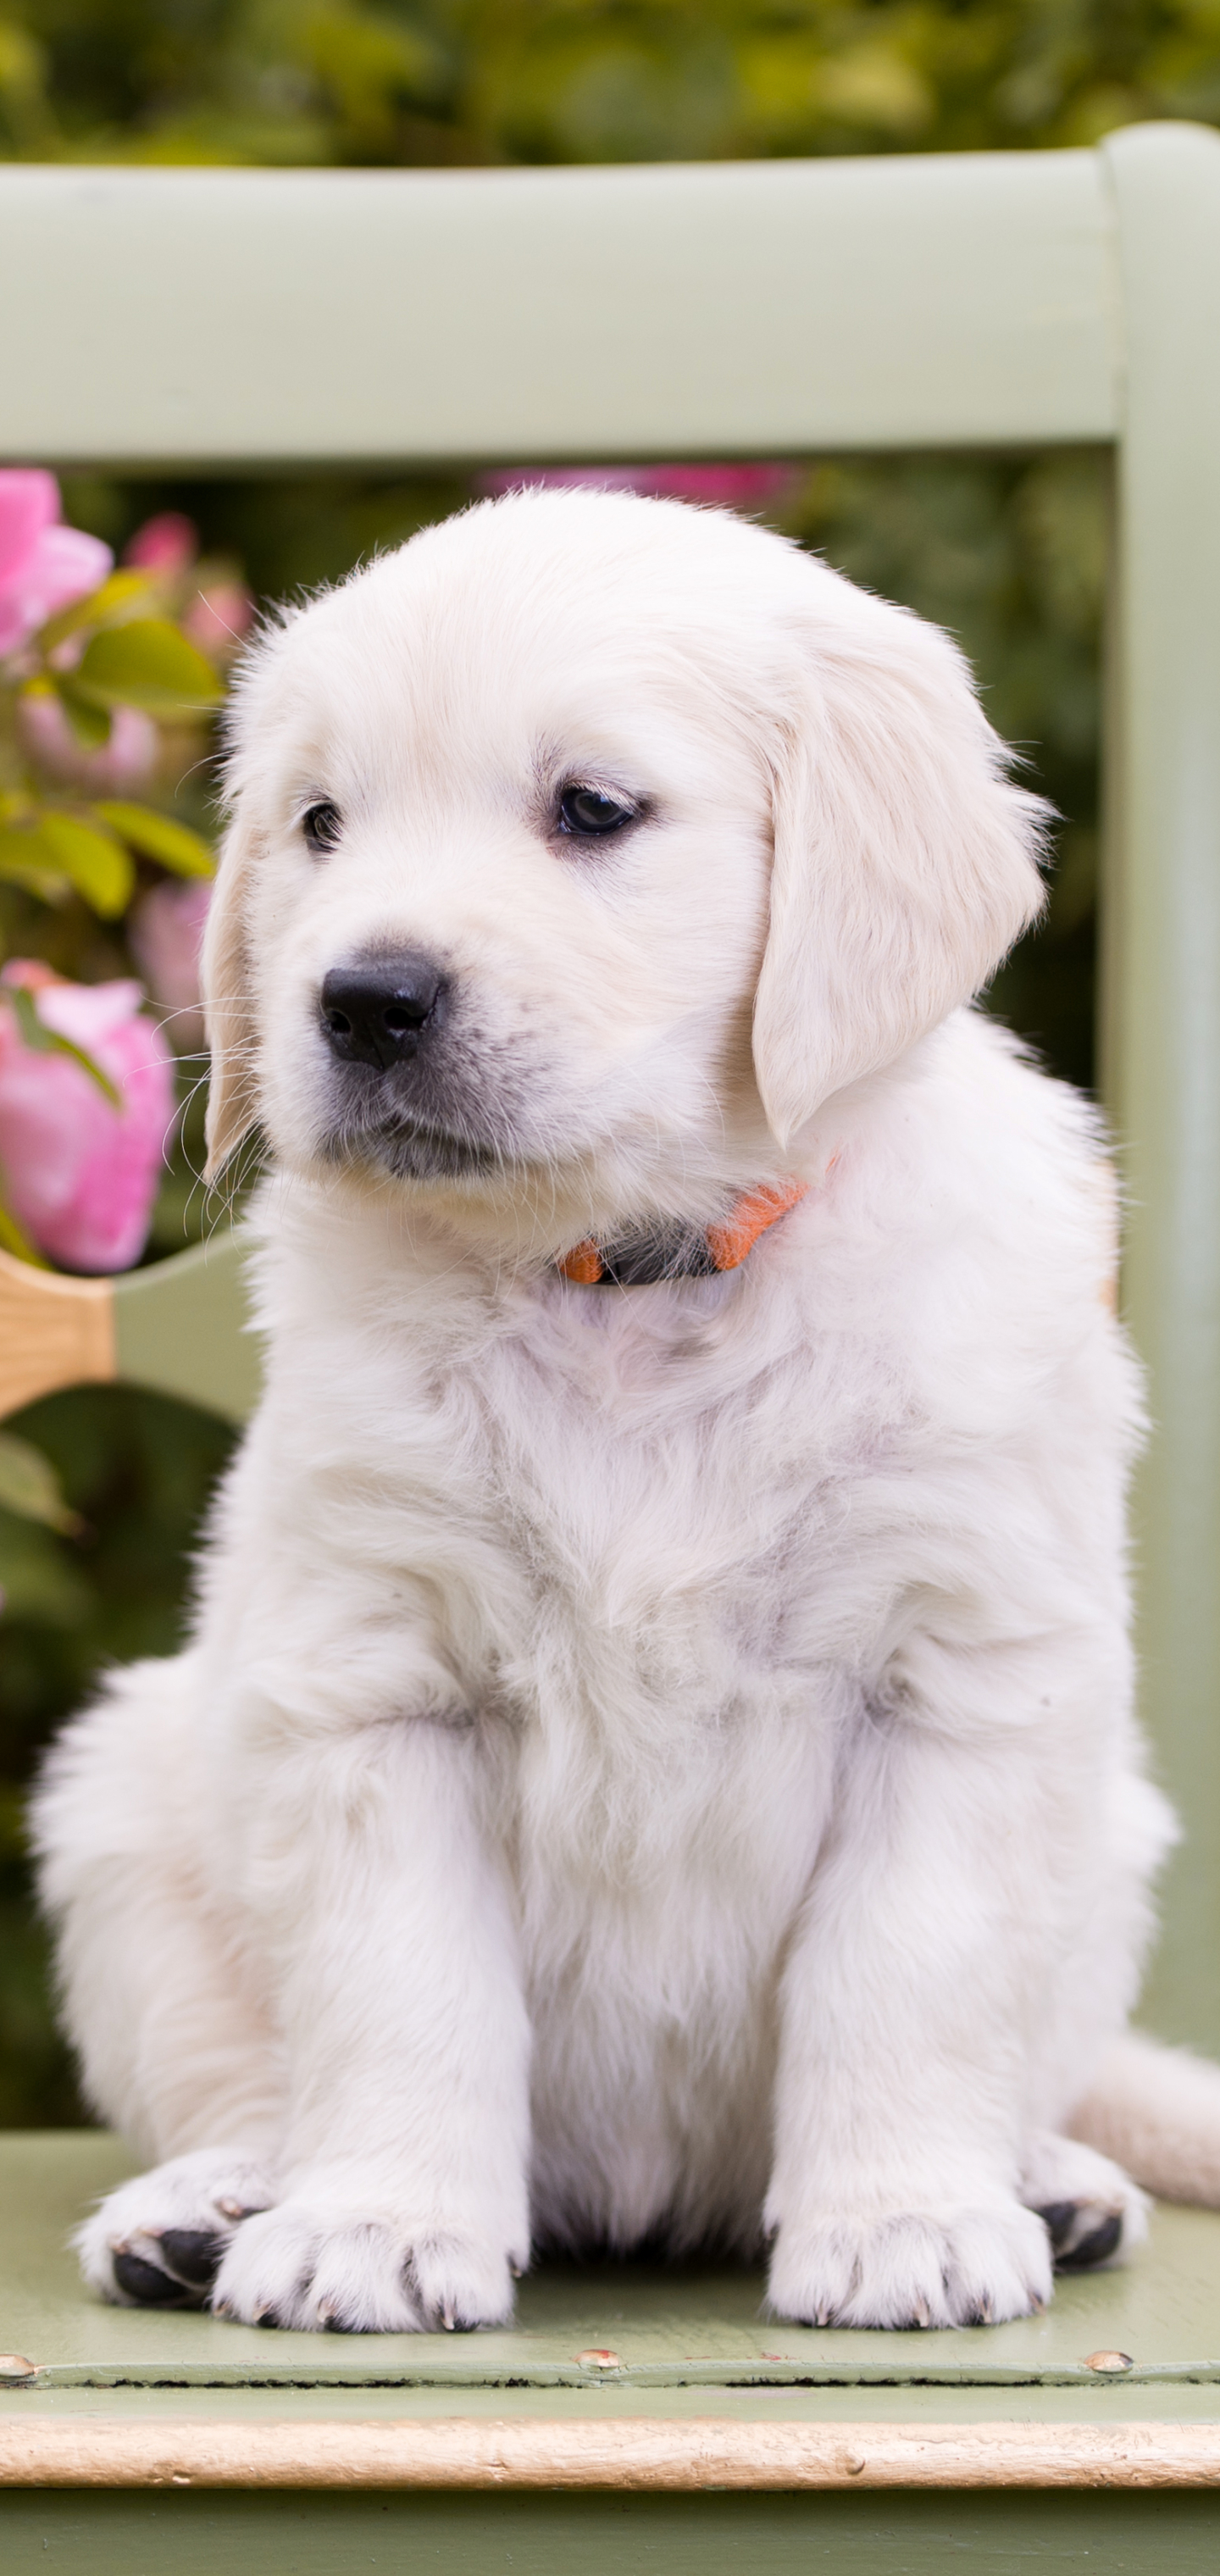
1009, 553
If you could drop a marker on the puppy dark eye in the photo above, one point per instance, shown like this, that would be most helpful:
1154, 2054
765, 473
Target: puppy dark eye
589, 815
322, 827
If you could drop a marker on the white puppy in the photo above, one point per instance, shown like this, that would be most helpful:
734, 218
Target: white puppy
655, 1759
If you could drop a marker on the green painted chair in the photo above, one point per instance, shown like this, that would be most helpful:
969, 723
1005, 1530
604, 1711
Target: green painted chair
246, 319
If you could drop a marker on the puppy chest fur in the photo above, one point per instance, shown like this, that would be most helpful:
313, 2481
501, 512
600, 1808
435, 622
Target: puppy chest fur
654, 1712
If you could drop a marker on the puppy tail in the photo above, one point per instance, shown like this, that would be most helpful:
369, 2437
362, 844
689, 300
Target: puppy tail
1156, 2112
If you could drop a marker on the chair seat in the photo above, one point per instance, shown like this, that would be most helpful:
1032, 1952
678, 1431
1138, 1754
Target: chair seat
661, 2395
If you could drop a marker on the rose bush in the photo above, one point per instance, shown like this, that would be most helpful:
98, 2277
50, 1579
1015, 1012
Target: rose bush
98, 668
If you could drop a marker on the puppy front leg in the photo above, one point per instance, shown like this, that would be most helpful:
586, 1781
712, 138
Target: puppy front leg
909, 2003
404, 2202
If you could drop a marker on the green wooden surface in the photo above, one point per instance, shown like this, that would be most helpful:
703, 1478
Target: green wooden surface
691, 2330
961, 299
182, 1326
689, 2535
691, 2345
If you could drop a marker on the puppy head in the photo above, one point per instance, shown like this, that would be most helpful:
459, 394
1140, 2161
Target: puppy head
590, 844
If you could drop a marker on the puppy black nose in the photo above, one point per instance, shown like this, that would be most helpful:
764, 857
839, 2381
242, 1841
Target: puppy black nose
376, 1014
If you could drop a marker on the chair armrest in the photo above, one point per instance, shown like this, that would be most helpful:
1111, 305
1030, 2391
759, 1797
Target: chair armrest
180, 1327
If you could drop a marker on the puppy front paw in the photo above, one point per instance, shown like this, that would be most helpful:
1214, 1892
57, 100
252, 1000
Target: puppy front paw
967, 2267
158, 2242
355, 2272
1092, 2211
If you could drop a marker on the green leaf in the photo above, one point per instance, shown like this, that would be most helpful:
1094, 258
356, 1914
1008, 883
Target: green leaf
99, 867
39, 1581
30, 1486
44, 1041
113, 596
90, 724
26, 859
14, 1838
155, 837
147, 663
13, 1239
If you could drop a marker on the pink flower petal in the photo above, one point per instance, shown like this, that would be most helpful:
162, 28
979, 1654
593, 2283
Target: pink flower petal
29, 502
88, 1013
62, 565
726, 487
166, 544
79, 1174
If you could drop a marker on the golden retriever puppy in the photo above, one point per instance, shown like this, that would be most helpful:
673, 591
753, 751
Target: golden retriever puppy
655, 1757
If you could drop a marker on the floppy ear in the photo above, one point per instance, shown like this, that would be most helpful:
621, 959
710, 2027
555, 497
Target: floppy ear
906, 863
228, 1002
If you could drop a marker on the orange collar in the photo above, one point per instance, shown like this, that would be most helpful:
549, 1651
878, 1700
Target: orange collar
681, 1252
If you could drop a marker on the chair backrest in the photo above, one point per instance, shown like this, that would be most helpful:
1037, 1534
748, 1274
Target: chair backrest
247, 318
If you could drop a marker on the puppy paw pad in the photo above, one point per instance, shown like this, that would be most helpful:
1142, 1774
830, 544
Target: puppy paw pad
193, 2254
1092, 2211
146, 2285
1081, 2234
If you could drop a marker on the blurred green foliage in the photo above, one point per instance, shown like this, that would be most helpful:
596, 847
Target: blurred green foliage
1008, 553
462, 81
136, 1469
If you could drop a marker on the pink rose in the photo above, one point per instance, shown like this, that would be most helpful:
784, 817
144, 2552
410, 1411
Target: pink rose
725, 487
166, 935
80, 1175
43, 566
129, 756
166, 544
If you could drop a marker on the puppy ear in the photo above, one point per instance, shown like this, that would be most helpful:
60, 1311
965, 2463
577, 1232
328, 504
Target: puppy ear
228, 1002
906, 864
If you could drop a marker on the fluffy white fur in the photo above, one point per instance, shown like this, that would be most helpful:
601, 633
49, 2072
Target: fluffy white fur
651, 1762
